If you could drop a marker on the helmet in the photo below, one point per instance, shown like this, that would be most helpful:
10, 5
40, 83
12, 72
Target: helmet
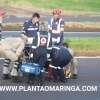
2, 14
57, 11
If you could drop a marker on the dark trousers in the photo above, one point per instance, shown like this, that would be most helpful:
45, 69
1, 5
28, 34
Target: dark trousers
40, 56
58, 74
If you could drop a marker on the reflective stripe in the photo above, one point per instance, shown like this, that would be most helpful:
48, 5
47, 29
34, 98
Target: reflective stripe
38, 33
49, 26
51, 66
51, 22
56, 48
7, 60
62, 25
48, 55
58, 26
29, 29
35, 64
42, 70
49, 48
56, 39
31, 55
34, 47
30, 41
49, 36
6, 65
23, 31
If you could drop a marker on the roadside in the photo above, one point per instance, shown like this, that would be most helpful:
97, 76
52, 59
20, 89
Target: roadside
45, 7
92, 49
85, 46
91, 22
69, 26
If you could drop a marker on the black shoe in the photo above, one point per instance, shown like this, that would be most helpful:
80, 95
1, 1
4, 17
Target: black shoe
40, 83
64, 81
30, 81
15, 79
6, 77
74, 76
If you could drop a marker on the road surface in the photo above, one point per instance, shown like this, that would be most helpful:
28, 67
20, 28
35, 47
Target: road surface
88, 74
66, 34
13, 19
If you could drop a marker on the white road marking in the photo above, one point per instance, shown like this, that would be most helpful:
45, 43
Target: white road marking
88, 57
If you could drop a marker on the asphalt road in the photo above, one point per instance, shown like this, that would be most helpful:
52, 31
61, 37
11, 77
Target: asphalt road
88, 74
66, 34
13, 19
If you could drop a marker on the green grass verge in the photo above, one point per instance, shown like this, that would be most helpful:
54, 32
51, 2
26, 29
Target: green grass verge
84, 44
74, 5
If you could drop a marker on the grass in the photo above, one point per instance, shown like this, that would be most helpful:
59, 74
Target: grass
73, 5
84, 44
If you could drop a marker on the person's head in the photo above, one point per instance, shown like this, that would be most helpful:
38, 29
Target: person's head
66, 45
35, 17
56, 14
43, 27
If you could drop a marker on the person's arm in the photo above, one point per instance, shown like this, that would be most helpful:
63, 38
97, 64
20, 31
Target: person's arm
24, 32
62, 26
49, 26
20, 48
56, 31
24, 38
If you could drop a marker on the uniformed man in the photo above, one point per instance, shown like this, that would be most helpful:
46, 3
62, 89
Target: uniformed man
56, 27
30, 30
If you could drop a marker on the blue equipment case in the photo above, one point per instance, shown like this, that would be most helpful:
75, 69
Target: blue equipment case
30, 68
